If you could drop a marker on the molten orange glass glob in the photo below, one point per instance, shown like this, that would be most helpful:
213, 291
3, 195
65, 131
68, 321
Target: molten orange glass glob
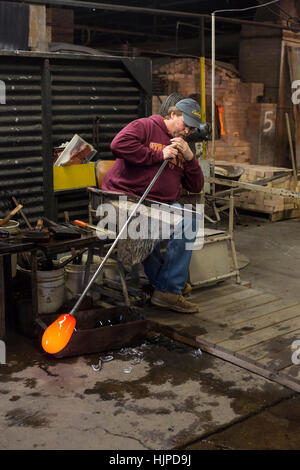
58, 334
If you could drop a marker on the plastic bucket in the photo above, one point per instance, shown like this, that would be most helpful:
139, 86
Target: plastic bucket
50, 287
12, 226
110, 269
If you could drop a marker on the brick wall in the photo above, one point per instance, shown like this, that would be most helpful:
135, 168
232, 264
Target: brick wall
231, 94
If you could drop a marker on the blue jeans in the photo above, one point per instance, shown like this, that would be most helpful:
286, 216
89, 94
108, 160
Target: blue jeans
169, 273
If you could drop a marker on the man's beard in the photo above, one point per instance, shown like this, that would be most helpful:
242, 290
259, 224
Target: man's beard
178, 134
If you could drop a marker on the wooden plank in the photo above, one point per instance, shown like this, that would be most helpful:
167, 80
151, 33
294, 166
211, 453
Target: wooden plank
236, 312
218, 335
293, 371
217, 302
285, 214
227, 355
208, 319
177, 320
265, 305
211, 330
274, 326
238, 342
216, 321
275, 352
215, 332
208, 293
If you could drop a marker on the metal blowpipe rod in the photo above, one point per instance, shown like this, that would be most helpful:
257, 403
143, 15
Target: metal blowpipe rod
117, 239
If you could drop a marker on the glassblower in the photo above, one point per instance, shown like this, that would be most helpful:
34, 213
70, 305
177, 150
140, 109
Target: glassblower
59, 333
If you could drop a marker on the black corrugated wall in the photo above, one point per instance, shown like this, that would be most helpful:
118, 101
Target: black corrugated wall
48, 100
21, 162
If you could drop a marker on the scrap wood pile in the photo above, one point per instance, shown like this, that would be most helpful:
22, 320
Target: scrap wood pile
262, 202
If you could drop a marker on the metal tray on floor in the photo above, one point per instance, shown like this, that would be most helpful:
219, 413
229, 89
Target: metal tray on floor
123, 326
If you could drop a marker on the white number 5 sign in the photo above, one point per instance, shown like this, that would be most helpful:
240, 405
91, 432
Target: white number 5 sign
268, 121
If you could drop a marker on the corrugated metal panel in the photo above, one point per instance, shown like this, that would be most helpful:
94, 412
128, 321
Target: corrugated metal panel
21, 169
82, 92
48, 100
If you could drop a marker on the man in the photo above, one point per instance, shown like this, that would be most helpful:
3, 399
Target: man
140, 148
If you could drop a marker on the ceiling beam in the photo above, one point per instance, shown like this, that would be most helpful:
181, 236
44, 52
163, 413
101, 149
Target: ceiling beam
114, 31
153, 11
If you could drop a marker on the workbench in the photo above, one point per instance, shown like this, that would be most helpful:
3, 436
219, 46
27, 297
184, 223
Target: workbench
50, 249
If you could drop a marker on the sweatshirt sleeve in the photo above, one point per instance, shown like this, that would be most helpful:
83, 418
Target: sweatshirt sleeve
193, 180
129, 144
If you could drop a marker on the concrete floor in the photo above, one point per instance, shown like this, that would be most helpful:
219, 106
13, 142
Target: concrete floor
171, 399
274, 253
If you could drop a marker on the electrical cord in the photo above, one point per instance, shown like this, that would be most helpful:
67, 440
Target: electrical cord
247, 8
290, 20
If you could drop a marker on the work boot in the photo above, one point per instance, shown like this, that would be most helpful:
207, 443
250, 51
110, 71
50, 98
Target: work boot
173, 302
187, 289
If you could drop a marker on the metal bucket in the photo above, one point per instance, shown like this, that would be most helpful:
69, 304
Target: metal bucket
74, 276
12, 226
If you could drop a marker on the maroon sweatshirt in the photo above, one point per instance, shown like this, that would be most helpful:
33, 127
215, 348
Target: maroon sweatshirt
138, 149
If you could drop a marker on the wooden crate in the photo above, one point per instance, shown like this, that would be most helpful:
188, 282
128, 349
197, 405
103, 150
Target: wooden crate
275, 207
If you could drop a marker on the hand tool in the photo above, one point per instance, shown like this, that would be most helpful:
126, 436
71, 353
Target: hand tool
39, 225
60, 231
58, 334
74, 226
66, 214
108, 233
22, 214
9, 216
36, 235
80, 223
75, 255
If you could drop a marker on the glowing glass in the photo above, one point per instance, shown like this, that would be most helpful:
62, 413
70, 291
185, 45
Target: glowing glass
58, 334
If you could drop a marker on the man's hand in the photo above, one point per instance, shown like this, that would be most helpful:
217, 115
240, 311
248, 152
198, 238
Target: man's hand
170, 151
183, 147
